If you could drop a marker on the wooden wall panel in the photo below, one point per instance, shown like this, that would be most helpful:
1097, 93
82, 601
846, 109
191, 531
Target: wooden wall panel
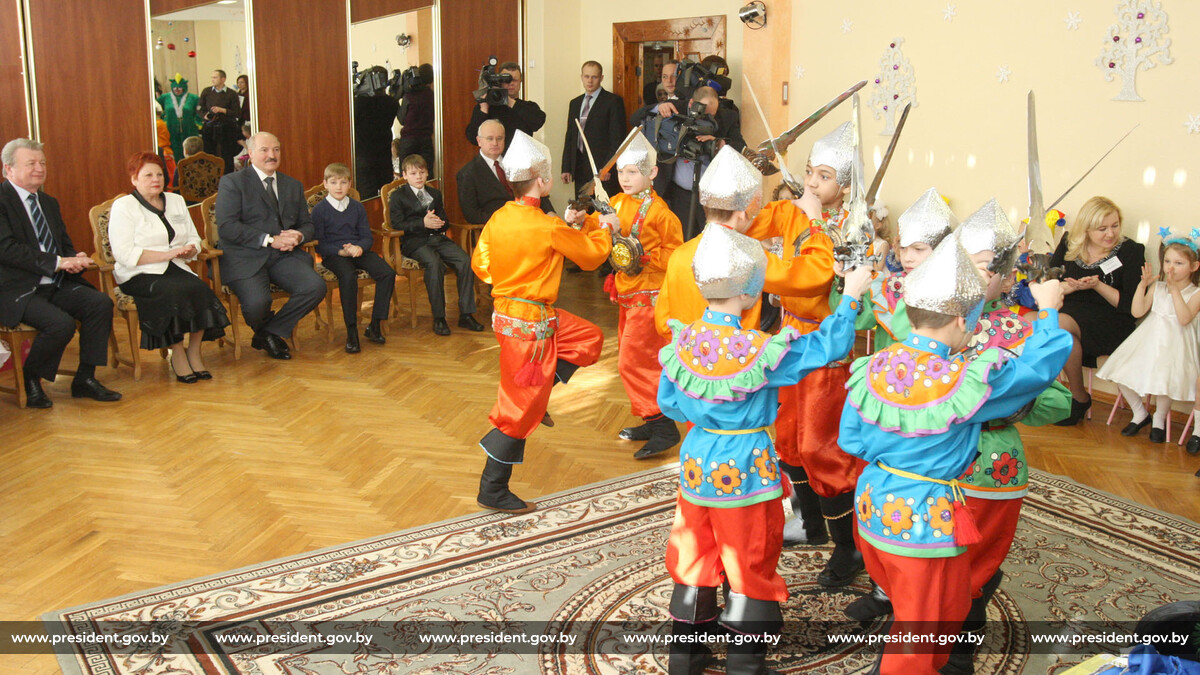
365, 10
93, 91
303, 80
492, 29
13, 121
166, 6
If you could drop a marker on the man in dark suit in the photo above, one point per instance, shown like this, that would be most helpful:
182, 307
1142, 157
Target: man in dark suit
419, 210
515, 114
41, 282
602, 114
221, 109
263, 219
482, 185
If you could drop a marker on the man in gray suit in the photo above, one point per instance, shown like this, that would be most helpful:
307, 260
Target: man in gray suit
263, 219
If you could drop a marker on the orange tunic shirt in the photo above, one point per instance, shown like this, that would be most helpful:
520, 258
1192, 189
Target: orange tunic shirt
520, 253
660, 235
806, 278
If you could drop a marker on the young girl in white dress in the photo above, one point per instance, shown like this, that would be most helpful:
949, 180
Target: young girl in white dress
1162, 357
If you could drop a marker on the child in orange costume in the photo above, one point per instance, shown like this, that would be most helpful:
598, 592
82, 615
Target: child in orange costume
520, 253
649, 234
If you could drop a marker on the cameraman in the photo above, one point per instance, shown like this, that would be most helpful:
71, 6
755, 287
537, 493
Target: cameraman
374, 111
679, 190
416, 114
220, 108
514, 113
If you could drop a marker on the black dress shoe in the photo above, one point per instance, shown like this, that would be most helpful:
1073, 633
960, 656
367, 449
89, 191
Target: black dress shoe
374, 334
843, 571
1193, 445
190, 378
273, 345
467, 321
1078, 410
203, 374
352, 345
35, 396
1133, 428
441, 327
89, 387
639, 433
547, 420
1158, 435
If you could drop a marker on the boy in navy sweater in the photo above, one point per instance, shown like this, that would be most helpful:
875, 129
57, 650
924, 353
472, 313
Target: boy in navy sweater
344, 242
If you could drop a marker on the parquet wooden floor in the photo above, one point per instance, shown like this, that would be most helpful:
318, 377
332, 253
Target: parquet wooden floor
272, 459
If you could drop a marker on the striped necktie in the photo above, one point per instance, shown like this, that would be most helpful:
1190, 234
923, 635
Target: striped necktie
42, 229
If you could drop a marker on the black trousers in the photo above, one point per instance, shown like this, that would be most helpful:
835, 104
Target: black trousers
435, 256
293, 272
680, 202
221, 139
417, 145
345, 269
53, 311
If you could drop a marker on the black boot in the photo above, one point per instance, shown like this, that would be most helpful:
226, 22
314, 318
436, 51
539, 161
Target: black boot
846, 562
751, 619
807, 527
563, 371
962, 653
694, 613
1078, 410
871, 606
663, 436
639, 433
493, 484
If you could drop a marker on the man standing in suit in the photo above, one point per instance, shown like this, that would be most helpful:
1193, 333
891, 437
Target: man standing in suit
41, 282
419, 211
263, 219
602, 114
221, 110
482, 185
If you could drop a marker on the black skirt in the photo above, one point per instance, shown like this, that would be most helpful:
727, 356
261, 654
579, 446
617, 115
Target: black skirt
173, 304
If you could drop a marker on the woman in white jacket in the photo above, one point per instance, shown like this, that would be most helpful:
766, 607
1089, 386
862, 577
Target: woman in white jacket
152, 239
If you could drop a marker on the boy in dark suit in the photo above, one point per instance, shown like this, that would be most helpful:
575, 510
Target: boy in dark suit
419, 211
344, 242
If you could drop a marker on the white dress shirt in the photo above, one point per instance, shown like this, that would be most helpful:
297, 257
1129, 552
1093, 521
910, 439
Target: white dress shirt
24, 195
339, 204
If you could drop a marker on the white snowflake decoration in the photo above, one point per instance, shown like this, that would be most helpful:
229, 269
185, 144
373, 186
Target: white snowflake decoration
895, 86
1002, 74
847, 24
1134, 43
949, 12
1193, 124
1072, 20
799, 72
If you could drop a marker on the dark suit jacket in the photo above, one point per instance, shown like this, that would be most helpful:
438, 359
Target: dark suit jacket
245, 217
524, 115
604, 130
22, 261
480, 192
408, 215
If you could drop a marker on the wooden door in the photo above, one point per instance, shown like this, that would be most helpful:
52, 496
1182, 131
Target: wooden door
698, 35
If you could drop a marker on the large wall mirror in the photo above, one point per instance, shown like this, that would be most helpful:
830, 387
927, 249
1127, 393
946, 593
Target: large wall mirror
394, 89
189, 48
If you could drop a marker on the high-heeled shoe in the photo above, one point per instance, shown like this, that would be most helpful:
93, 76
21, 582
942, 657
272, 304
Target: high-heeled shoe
190, 378
1078, 410
200, 374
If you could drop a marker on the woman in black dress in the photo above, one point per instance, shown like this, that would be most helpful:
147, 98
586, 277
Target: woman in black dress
152, 238
1101, 272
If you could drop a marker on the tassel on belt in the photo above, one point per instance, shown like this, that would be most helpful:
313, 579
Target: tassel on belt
530, 374
965, 531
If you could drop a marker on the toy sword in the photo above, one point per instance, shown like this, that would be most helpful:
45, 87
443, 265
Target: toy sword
589, 188
1037, 266
858, 234
1093, 167
788, 137
599, 196
796, 188
873, 191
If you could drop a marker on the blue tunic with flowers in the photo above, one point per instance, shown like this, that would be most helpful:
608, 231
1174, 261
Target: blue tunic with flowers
915, 408
725, 379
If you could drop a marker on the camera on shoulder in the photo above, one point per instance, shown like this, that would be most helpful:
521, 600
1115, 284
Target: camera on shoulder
491, 88
370, 81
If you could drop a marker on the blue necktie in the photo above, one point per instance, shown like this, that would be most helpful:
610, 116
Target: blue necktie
44, 237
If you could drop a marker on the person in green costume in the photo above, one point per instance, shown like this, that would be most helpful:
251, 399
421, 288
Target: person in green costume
179, 111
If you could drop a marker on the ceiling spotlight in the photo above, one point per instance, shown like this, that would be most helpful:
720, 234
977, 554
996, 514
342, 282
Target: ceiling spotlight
754, 15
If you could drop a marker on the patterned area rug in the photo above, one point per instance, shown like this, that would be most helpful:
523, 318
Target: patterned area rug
588, 565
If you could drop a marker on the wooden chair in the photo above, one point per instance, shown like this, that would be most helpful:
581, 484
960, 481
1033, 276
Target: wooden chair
199, 176
16, 336
125, 306
313, 196
212, 238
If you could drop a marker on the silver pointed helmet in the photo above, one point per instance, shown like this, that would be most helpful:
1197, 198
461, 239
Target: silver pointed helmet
730, 182
988, 229
727, 264
836, 150
526, 159
640, 154
928, 220
947, 282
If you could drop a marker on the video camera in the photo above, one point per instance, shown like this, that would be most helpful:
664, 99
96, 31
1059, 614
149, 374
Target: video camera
691, 76
696, 123
370, 81
491, 84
